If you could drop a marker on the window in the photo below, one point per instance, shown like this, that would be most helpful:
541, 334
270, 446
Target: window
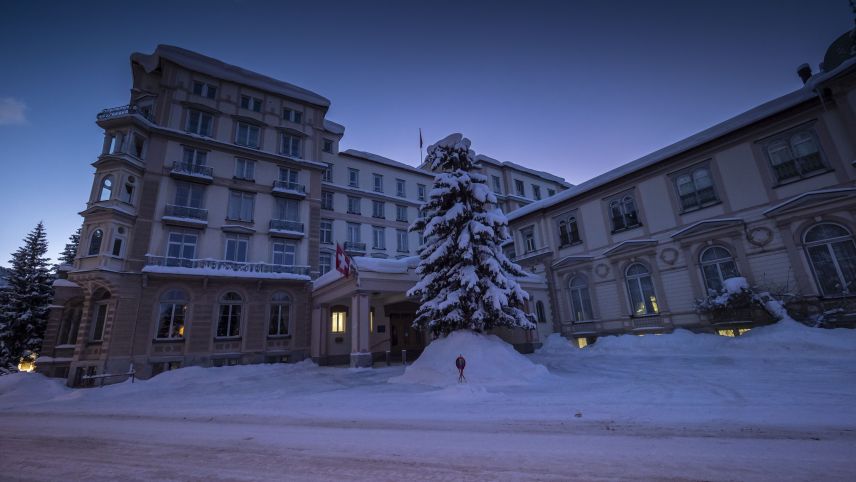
189, 195
497, 184
181, 245
99, 320
540, 313
229, 323
378, 237
106, 188
402, 240
292, 115
118, 241
695, 189
353, 177
236, 247
378, 182
327, 200
795, 155
95, 242
580, 300
338, 319
378, 209
420, 191
290, 145
241, 205
251, 103
280, 314
173, 307
400, 187
327, 145
353, 232
199, 122
325, 262
528, 239
284, 253
643, 301
623, 214
520, 188
287, 209
138, 146
327, 173
204, 89
245, 169
354, 205
327, 231
70, 324
126, 195
248, 135
832, 253
536, 192
400, 213
717, 265
551, 192
288, 175
569, 232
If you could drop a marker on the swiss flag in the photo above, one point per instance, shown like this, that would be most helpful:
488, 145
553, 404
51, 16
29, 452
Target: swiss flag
343, 262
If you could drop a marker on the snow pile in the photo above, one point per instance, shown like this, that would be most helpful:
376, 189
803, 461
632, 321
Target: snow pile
556, 345
490, 361
26, 388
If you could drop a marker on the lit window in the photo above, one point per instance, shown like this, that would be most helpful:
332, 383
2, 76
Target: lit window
173, 307
338, 319
643, 300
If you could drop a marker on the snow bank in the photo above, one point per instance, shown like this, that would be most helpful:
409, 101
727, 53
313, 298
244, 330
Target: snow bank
490, 361
28, 388
556, 345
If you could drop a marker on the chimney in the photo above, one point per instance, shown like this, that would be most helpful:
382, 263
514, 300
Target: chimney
804, 71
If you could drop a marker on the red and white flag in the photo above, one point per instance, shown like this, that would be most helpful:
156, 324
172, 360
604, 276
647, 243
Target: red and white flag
343, 262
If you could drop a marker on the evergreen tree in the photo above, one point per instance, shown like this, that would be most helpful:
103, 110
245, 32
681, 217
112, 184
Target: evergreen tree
465, 280
24, 302
70, 252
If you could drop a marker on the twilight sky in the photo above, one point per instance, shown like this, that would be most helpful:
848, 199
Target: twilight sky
574, 88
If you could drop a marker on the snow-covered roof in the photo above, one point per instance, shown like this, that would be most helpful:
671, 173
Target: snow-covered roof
385, 160
534, 172
333, 127
65, 283
737, 122
229, 273
221, 70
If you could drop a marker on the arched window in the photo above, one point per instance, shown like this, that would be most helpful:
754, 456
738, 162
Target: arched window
540, 312
280, 314
95, 241
580, 299
832, 253
106, 188
101, 298
173, 308
127, 194
717, 265
229, 324
643, 300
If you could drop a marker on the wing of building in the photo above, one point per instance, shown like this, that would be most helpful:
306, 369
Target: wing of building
219, 195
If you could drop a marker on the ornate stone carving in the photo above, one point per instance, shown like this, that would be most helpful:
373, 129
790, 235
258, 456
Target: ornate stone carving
602, 270
760, 236
669, 256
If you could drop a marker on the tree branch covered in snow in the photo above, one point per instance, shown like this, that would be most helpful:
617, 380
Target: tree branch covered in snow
465, 280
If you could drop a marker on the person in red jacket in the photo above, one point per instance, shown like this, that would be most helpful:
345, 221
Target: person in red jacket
461, 363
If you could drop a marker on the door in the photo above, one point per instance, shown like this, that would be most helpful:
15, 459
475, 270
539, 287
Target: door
402, 336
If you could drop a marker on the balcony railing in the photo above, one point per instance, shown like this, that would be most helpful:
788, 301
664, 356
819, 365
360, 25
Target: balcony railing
186, 212
289, 186
123, 111
192, 169
283, 225
205, 266
355, 246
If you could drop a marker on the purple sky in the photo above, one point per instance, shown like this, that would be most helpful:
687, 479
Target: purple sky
574, 88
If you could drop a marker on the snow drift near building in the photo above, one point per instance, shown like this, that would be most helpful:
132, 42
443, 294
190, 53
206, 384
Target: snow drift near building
490, 362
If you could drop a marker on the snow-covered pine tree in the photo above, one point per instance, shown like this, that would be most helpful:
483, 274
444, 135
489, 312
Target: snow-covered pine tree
465, 280
70, 251
24, 302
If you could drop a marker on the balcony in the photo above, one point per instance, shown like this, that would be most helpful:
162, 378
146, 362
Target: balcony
122, 111
355, 247
288, 189
192, 172
287, 229
220, 267
185, 215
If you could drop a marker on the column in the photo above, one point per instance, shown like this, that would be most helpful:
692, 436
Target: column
360, 354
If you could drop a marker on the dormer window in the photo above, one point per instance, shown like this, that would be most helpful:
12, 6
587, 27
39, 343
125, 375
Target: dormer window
251, 103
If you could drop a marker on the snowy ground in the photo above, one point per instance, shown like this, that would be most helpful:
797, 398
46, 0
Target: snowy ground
776, 404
